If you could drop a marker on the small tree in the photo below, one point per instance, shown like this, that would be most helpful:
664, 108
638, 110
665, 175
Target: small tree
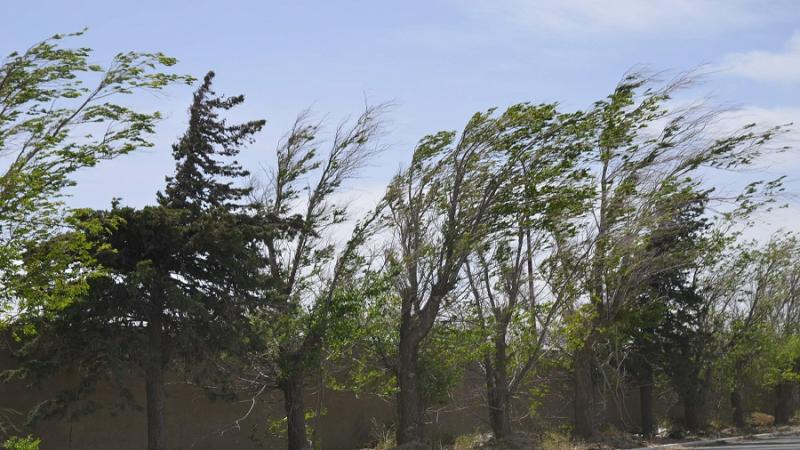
517, 294
668, 311
759, 330
439, 209
307, 266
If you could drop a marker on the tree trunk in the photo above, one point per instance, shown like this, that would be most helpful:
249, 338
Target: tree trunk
691, 414
584, 390
738, 408
294, 406
410, 411
154, 386
497, 389
646, 398
783, 403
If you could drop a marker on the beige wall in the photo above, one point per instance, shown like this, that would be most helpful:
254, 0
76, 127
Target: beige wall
194, 422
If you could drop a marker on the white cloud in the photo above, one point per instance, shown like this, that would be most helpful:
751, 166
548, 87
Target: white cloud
782, 66
592, 16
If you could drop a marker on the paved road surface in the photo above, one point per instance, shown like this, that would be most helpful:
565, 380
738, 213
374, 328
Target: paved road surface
775, 443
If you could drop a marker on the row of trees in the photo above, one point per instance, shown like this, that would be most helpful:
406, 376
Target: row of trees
533, 238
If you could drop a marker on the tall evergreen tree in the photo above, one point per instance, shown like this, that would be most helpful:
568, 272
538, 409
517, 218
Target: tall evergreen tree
666, 321
178, 279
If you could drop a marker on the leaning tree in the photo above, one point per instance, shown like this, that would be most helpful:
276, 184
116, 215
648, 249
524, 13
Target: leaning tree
642, 147
308, 265
438, 210
516, 274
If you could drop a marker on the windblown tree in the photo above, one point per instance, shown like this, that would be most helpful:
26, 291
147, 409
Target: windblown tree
756, 295
439, 209
641, 148
515, 273
178, 279
784, 325
60, 113
308, 265
372, 355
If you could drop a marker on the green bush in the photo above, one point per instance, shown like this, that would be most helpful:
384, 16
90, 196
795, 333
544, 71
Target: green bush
22, 443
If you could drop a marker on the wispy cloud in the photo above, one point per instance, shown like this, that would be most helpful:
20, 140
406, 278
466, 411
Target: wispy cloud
781, 66
591, 16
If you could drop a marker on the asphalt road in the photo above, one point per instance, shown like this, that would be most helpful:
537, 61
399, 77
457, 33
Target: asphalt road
774, 443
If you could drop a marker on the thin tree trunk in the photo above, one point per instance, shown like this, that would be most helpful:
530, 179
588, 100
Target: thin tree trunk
785, 399
294, 406
646, 398
783, 403
737, 403
584, 391
410, 411
154, 386
497, 387
738, 408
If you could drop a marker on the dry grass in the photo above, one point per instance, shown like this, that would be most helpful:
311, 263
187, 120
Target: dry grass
759, 419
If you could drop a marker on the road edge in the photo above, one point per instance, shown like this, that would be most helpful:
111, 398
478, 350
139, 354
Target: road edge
722, 440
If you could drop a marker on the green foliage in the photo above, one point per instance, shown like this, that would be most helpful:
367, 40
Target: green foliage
201, 182
530, 237
374, 358
22, 443
175, 280
58, 115
784, 367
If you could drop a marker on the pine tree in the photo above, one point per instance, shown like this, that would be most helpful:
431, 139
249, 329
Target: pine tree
201, 181
668, 325
178, 279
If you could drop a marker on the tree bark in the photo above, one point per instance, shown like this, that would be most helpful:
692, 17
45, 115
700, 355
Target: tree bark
584, 391
691, 414
738, 408
783, 403
410, 410
497, 389
294, 406
646, 399
154, 385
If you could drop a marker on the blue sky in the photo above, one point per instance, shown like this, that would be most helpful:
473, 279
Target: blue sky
438, 61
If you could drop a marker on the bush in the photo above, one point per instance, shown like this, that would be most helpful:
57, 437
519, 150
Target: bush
22, 443
471, 441
552, 440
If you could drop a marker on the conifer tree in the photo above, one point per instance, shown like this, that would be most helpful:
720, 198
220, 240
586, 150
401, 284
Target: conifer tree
178, 279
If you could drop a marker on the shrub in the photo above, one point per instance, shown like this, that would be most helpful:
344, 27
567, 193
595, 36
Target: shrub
552, 440
22, 443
